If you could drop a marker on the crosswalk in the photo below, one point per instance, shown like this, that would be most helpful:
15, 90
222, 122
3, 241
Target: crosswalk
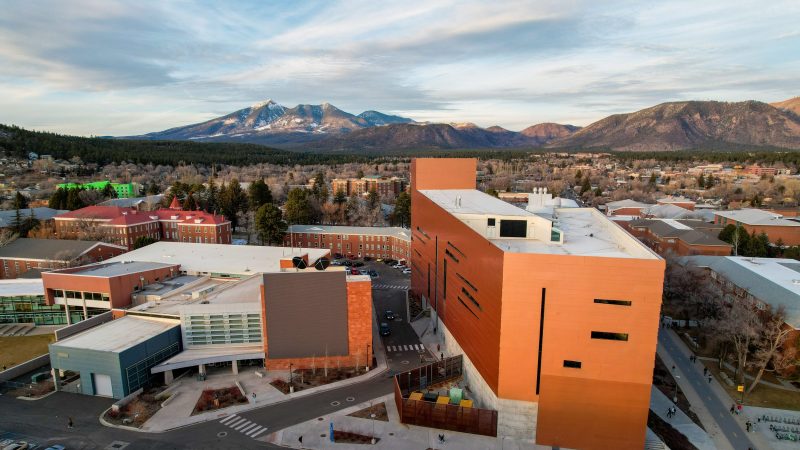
243, 425
405, 348
390, 286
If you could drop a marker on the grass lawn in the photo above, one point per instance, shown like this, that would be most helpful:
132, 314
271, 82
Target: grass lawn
763, 396
18, 349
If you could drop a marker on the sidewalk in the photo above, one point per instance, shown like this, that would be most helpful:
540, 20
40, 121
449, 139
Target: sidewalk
785, 385
659, 403
725, 436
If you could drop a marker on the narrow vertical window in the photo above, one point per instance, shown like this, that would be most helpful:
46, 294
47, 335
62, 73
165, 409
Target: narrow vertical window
541, 335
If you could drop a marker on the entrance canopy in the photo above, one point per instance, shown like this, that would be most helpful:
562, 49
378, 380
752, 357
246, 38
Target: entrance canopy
198, 356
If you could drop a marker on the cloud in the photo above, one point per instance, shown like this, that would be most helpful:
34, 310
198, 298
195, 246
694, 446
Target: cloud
135, 67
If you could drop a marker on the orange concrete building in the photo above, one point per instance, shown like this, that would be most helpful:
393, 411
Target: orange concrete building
758, 221
557, 318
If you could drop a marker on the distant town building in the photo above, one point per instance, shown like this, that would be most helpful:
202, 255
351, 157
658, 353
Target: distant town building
384, 186
124, 225
374, 242
22, 255
147, 203
758, 221
554, 334
123, 190
682, 202
677, 237
626, 207
43, 214
761, 171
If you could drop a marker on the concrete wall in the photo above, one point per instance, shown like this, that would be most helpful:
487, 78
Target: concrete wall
88, 362
63, 333
23, 368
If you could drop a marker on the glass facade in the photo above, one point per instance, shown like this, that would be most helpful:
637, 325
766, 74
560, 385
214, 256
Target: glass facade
221, 328
32, 309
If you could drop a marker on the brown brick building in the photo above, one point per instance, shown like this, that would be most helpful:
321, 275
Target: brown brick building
22, 255
357, 242
384, 186
123, 226
775, 226
677, 237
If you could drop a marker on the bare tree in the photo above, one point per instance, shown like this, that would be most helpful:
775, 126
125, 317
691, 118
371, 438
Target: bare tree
7, 236
739, 325
773, 336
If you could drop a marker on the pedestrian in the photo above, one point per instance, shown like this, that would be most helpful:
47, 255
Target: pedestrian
254, 396
748, 425
441, 439
705, 371
738, 409
69, 422
673, 367
709, 379
733, 409
441, 357
300, 439
669, 412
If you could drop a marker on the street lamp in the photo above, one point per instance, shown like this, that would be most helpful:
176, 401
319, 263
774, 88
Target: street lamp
368, 362
290, 376
675, 398
373, 427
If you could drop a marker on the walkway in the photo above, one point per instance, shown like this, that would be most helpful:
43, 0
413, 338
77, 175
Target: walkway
659, 403
709, 400
785, 385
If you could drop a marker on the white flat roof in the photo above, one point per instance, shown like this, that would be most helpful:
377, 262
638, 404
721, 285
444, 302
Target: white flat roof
115, 268
21, 286
587, 232
120, 334
472, 201
397, 232
752, 216
219, 258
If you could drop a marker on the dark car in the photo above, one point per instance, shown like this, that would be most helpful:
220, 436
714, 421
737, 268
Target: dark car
354, 272
389, 262
373, 274
367, 258
384, 329
338, 256
389, 315
347, 263
358, 264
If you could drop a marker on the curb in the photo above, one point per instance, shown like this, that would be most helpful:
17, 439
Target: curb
32, 399
106, 423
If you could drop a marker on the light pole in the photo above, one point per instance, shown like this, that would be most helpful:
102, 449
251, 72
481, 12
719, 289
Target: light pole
368, 362
373, 427
290, 377
675, 398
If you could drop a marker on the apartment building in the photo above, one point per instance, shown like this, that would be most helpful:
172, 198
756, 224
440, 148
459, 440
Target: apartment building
556, 335
384, 186
22, 255
123, 226
374, 242
758, 221
123, 190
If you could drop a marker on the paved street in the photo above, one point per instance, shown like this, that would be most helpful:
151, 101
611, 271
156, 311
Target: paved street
718, 407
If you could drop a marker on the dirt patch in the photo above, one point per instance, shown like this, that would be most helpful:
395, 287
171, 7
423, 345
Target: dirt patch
138, 411
379, 410
346, 437
33, 390
763, 395
665, 382
308, 378
672, 437
212, 399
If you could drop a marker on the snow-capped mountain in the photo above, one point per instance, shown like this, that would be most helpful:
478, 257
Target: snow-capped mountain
270, 122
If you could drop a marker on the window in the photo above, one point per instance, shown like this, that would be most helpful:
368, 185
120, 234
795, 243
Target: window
490, 222
514, 228
471, 298
609, 336
613, 302
465, 306
467, 282
572, 364
453, 257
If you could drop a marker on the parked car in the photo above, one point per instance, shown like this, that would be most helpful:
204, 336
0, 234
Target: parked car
56, 447
367, 258
389, 315
379, 259
398, 266
363, 272
384, 329
347, 263
336, 263
407, 271
338, 256
19, 445
373, 274
358, 264
354, 272
389, 262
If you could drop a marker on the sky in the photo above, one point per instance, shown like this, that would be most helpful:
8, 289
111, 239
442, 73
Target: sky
101, 67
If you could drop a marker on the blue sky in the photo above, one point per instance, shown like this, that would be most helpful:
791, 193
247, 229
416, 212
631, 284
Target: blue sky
98, 67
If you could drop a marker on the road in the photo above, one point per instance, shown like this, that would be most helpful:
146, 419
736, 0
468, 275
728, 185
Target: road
45, 421
718, 409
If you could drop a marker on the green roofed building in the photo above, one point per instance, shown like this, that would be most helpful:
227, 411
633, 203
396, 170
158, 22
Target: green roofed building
124, 190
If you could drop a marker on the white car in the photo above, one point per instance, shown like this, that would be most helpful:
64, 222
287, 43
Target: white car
407, 271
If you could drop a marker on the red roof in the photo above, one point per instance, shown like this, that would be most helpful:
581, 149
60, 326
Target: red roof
115, 215
175, 203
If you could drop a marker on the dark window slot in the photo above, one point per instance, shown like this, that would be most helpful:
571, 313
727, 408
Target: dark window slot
572, 364
541, 335
452, 256
456, 249
467, 282
613, 302
471, 298
514, 228
490, 222
609, 336
465, 306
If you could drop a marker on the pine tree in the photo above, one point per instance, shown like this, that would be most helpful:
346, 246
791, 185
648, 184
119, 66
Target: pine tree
269, 224
20, 201
258, 194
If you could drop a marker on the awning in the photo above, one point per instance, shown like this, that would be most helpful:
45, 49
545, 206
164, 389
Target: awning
197, 356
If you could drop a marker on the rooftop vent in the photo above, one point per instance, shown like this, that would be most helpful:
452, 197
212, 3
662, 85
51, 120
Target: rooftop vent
299, 262
796, 282
322, 263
